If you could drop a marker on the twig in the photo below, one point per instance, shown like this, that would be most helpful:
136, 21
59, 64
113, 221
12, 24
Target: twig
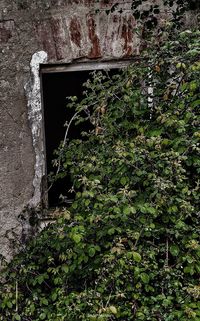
68, 126
136, 242
16, 296
108, 300
63, 145
167, 253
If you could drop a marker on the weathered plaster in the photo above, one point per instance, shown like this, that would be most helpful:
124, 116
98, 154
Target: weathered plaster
34, 104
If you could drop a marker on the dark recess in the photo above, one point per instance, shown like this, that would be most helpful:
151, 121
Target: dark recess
56, 87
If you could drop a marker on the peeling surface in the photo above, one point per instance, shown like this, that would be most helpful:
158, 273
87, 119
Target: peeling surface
33, 92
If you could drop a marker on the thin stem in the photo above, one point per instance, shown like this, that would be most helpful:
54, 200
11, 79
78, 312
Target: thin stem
16, 296
63, 145
167, 253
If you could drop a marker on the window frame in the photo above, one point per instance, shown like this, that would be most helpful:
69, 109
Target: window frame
65, 68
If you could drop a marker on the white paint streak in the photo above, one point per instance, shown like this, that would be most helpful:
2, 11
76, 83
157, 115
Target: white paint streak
33, 92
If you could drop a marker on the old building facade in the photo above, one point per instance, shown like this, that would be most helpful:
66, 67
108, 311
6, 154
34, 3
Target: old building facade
35, 34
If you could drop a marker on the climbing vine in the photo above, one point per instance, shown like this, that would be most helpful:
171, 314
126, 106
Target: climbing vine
128, 247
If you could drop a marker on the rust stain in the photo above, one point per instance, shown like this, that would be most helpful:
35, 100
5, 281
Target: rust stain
44, 35
59, 36
75, 31
112, 33
95, 50
127, 34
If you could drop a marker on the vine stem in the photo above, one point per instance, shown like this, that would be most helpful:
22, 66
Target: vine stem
167, 253
63, 145
65, 138
16, 296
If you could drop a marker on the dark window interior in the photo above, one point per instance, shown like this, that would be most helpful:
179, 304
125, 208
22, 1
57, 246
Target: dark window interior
56, 87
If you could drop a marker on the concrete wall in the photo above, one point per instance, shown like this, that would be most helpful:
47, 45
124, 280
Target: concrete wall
34, 32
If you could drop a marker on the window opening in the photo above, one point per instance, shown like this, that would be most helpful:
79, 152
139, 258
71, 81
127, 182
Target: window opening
57, 84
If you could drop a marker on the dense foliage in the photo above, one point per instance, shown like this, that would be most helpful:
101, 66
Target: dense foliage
148, 12
128, 248
144, 10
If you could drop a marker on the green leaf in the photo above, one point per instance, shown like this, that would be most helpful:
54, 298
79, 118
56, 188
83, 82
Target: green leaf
144, 277
155, 132
54, 296
111, 231
91, 251
75, 205
42, 316
174, 250
127, 210
44, 301
133, 210
195, 103
40, 279
87, 202
123, 180
136, 256
189, 269
9, 304
113, 309
76, 238
65, 268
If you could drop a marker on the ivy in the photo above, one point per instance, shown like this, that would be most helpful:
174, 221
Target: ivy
128, 247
